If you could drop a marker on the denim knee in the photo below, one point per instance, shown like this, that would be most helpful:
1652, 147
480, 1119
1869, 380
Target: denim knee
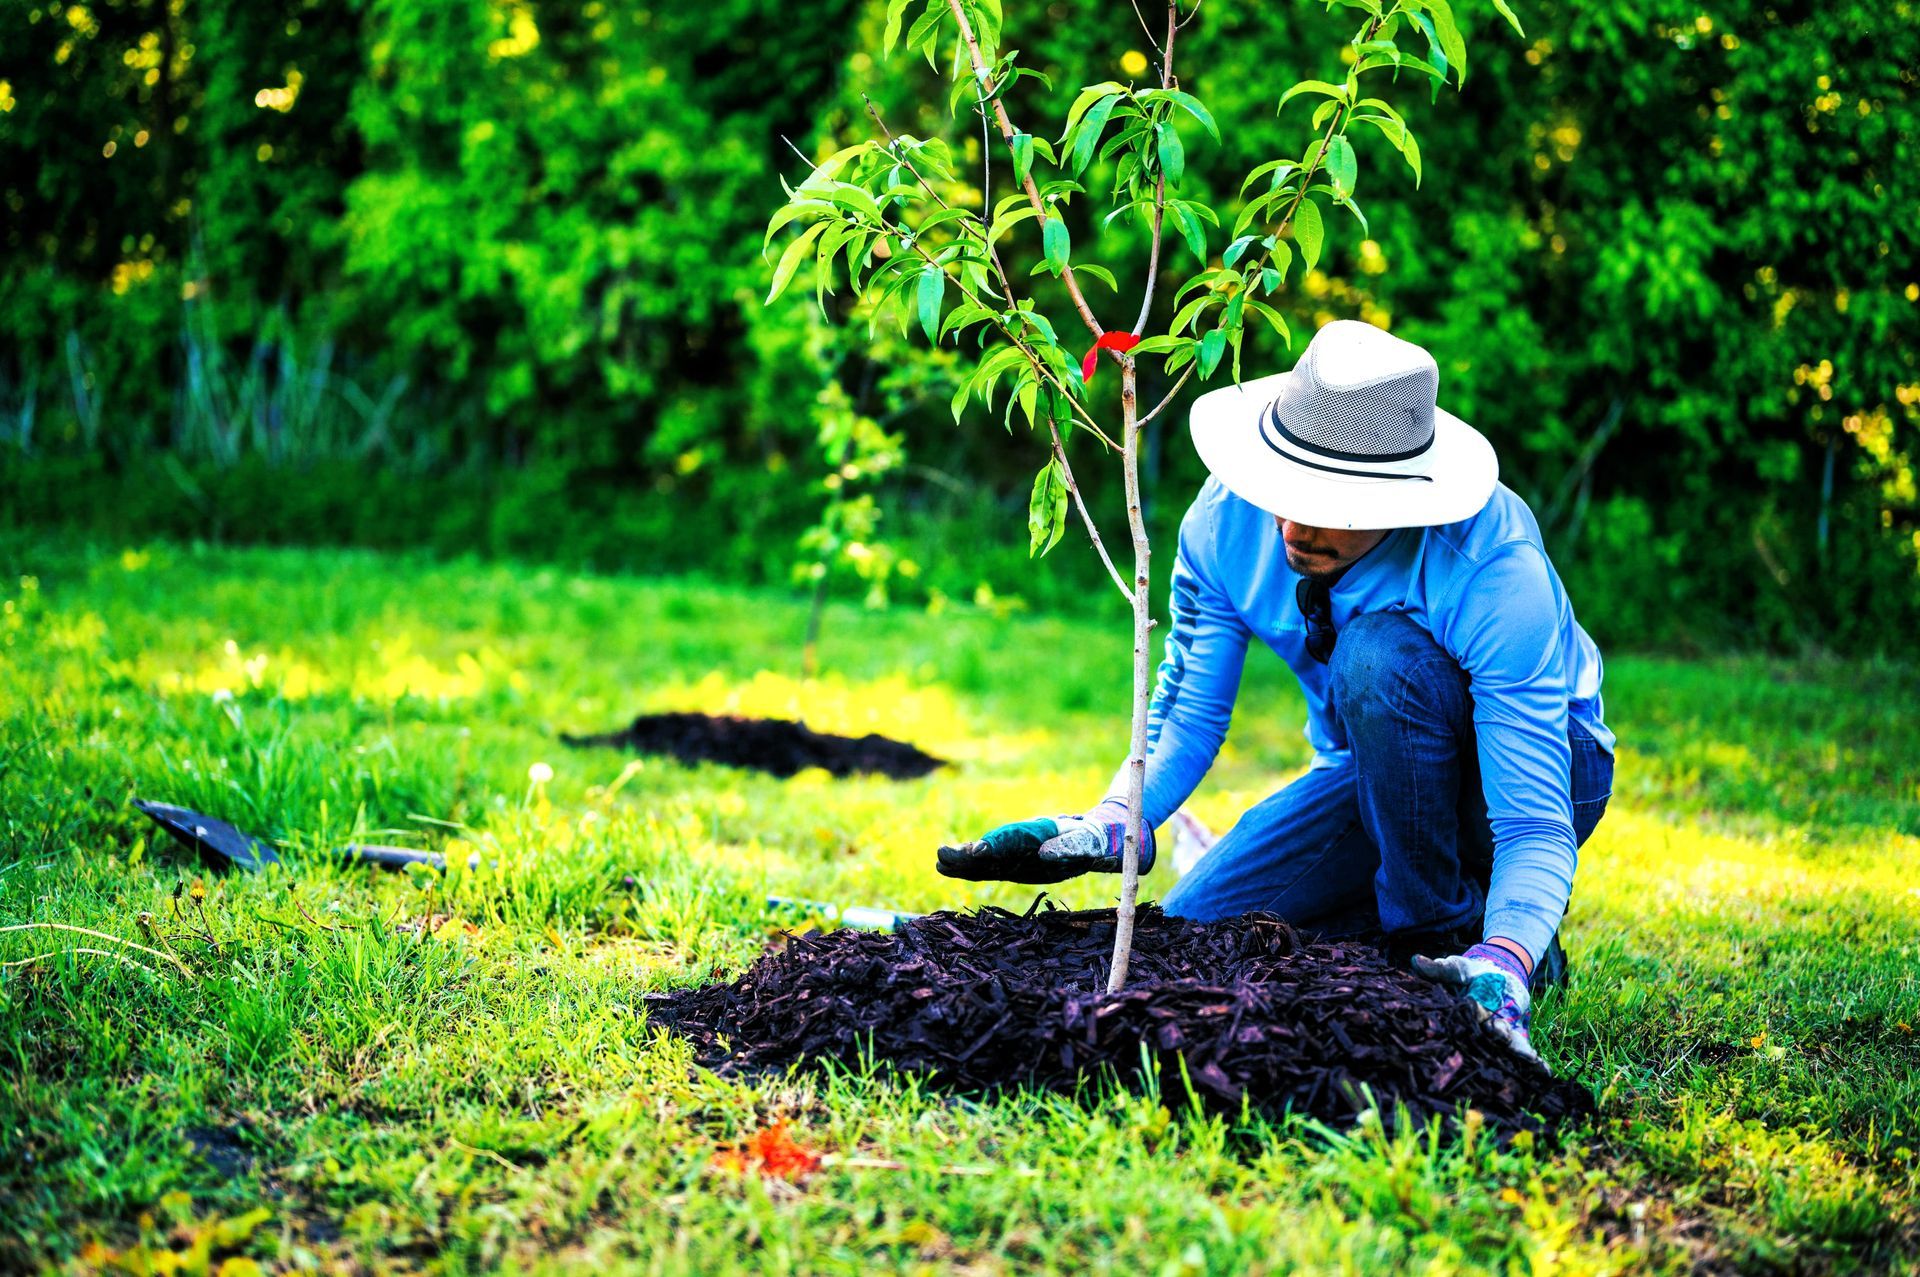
1383, 662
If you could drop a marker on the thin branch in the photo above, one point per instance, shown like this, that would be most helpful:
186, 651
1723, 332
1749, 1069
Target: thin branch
1007, 131
1144, 27
1320, 155
986, 172
1160, 186
1313, 168
1006, 285
1039, 365
1093, 531
1033, 358
986, 238
1169, 399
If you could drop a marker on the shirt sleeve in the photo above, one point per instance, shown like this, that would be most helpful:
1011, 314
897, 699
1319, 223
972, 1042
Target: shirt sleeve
1199, 676
1505, 630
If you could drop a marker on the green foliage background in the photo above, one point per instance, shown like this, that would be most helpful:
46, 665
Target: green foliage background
476, 274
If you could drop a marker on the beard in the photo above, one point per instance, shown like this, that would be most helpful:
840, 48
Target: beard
1315, 561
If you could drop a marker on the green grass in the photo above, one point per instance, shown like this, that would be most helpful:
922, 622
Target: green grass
338, 1086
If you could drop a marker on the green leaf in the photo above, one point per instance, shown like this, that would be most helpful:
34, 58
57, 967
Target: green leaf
1253, 212
1451, 43
1341, 165
933, 288
1006, 222
1088, 96
1279, 168
1057, 244
1189, 312
1046, 510
849, 196
1308, 232
1101, 273
1501, 7
1335, 91
1158, 345
940, 218
1272, 316
1088, 135
896, 10
960, 397
1191, 105
1392, 130
1237, 249
825, 171
987, 20
1382, 107
1173, 157
1028, 393
788, 212
994, 367
1212, 346
1124, 139
963, 317
790, 259
1190, 228
1282, 261
1360, 217
1034, 321
1022, 144
830, 243
1411, 149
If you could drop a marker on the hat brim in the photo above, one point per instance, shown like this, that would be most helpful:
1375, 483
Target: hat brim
1458, 472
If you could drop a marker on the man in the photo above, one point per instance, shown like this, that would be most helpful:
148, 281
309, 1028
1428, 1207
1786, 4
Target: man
1453, 702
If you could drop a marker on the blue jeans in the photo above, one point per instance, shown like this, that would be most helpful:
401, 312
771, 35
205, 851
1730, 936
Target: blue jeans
1397, 839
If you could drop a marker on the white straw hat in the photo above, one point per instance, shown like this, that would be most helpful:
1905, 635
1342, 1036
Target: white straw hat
1351, 438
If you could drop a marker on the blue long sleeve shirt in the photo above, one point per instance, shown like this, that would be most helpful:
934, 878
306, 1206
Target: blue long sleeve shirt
1485, 590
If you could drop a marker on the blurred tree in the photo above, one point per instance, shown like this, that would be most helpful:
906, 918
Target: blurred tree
1670, 270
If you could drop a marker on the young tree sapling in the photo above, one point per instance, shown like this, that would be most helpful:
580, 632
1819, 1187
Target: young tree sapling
891, 213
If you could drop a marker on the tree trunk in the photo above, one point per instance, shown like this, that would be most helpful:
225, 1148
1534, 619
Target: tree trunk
1142, 687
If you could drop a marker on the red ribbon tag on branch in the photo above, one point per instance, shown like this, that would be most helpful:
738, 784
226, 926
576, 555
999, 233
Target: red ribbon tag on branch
1108, 341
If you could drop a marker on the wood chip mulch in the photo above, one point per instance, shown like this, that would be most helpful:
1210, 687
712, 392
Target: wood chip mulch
1242, 1009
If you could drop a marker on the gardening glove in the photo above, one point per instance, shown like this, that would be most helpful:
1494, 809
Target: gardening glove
1049, 849
1493, 979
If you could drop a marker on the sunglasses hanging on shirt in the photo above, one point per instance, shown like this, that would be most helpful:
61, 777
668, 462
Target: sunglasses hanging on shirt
1315, 597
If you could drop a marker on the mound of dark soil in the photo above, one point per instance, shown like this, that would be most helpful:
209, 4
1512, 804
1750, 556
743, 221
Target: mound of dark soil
775, 745
1230, 1010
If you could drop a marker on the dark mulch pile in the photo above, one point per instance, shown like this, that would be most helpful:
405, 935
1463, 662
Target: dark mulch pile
992, 999
775, 745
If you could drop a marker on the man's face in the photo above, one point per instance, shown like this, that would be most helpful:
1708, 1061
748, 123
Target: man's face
1315, 551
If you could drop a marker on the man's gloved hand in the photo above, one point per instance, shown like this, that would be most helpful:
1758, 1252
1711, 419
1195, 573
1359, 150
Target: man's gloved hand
1049, 849
1495, 981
